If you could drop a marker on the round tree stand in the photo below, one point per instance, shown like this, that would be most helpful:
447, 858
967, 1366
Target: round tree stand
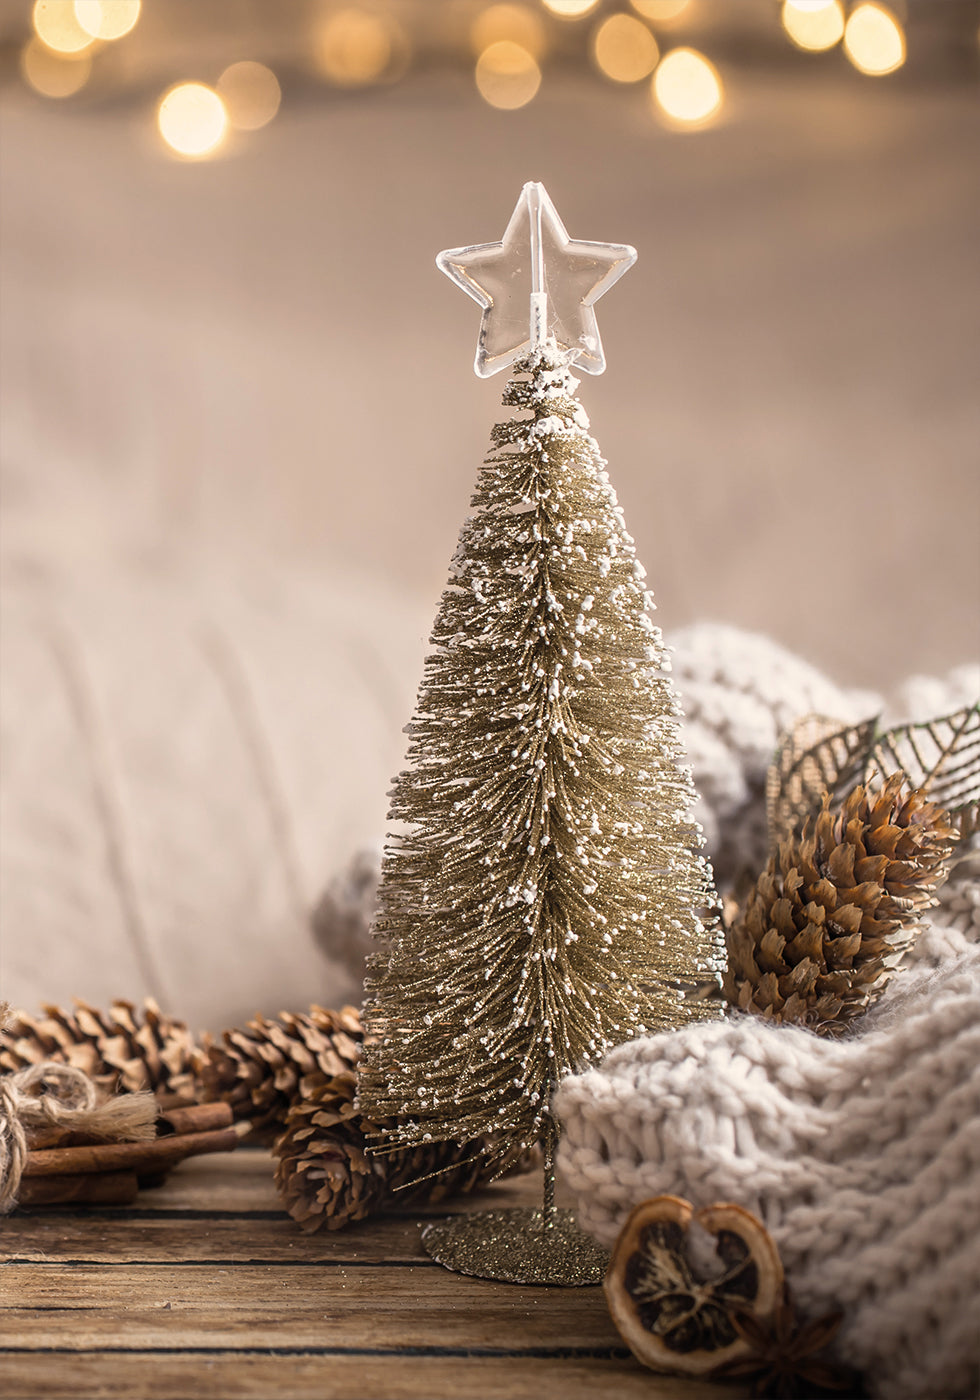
517, 1246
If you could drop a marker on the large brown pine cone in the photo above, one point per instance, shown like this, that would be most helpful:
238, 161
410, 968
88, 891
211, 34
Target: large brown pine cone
327, 1178
127, 1047
262, 1067
837, 906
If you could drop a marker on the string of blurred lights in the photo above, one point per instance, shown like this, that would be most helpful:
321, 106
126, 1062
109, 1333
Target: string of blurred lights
351, 45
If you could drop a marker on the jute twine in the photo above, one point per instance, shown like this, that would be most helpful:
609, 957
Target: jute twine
52, 1095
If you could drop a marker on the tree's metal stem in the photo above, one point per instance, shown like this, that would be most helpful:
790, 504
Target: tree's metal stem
549, 1212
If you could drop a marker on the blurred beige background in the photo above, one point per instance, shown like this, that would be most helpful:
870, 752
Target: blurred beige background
244, 377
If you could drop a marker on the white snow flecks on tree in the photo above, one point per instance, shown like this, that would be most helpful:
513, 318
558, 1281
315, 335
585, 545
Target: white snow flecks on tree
543, 897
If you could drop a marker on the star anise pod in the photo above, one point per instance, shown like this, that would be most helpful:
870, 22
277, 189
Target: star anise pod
783, 1363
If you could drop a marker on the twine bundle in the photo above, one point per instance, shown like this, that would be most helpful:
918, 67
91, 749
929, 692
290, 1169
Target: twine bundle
51, 1097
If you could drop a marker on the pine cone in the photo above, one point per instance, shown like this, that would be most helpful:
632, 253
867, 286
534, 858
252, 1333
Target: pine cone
124, 1048
262, 1067
326, 1177
323, 1173
837, 906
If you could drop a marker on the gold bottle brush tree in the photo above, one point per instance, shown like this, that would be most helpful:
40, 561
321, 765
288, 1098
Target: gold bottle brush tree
543, 896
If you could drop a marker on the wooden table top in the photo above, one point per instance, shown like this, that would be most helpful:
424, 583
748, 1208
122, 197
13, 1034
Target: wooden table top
205, 1288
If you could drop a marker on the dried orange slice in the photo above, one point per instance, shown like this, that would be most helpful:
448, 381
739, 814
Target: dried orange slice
675, 1312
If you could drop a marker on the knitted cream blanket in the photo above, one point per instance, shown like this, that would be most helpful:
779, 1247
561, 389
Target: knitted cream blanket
861, 1156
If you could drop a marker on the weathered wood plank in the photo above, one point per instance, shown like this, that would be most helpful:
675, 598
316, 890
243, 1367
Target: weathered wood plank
248, 1305
240, 1181
184, 1295
80, 1238
143, 1376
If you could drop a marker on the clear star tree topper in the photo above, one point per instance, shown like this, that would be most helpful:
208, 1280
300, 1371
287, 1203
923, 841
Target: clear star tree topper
537, 283
542, 893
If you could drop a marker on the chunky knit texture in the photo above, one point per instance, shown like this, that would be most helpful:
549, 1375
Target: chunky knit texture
862, 1157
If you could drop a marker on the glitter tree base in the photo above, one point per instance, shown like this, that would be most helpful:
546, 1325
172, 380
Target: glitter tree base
517, 1246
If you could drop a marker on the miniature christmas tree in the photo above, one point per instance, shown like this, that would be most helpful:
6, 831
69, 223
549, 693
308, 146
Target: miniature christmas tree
540, 900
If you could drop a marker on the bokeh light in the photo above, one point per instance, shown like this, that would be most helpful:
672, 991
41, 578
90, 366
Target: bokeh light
624, 49
52, 74
507, 76
55, 25
815, 25
251, 94
660, 11
354, 47
570, 9
192, 119
687, 88
107, 19
514, 22
874, 40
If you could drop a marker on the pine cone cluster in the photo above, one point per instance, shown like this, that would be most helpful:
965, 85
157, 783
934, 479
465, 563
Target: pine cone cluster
126, 1048
262, 1067
326, 1177
837, 906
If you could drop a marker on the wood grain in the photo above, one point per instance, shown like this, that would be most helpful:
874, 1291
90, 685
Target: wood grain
347, 1306
109, 1376
204, 1288
167, 1239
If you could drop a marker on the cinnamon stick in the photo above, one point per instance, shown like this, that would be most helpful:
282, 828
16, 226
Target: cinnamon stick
196, 1118
143, 1158
97, 1188
59, 1137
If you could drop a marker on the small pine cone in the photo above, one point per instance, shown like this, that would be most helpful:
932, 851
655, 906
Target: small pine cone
123, 1049
323, 1173
327, 1178
836, 907
261, 1068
